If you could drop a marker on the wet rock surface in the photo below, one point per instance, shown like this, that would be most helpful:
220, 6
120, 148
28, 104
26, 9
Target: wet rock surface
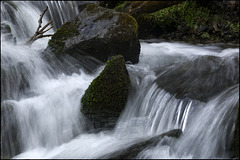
98, 32
133, 150
200, 78
107, 94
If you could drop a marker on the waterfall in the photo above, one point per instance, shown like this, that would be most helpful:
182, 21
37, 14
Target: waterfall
22, 17
40, 103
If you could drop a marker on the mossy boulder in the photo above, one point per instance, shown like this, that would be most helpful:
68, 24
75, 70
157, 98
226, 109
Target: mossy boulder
105, 98
192, 21
98, 32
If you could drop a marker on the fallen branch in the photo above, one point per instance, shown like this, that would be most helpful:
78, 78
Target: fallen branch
39, 34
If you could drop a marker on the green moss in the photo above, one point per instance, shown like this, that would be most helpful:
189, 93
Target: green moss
128, 21
188, 18
108, 92
205, 35
92, 8
187, 13
235, 27
121, 5
57, 41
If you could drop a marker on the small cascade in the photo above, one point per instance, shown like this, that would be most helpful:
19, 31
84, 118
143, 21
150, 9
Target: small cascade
59, 11
40, 97
22, 17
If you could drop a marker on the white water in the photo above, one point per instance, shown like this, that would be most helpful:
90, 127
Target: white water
52, 126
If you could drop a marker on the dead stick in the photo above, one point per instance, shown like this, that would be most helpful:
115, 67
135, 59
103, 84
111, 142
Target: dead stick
46, 30
39, 34
40, 22
47, 35
46, 25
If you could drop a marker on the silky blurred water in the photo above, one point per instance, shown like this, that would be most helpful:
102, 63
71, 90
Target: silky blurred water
47, 105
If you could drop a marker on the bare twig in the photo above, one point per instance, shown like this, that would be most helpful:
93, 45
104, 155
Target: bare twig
39, 34
46, 25
47, 35
46, 30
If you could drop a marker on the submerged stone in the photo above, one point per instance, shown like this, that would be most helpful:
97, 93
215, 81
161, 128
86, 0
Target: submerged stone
107, 94
133, 150
98, 32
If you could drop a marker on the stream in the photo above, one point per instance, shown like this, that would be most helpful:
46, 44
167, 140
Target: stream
45, 100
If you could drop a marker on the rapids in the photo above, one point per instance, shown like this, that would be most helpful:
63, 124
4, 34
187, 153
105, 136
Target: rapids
46, 100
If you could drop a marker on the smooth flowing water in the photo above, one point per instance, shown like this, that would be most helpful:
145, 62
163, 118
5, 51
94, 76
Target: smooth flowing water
45, 100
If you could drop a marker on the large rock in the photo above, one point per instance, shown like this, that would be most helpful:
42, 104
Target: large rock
6, 32
105, 98
131, 151
98, 32
200, 78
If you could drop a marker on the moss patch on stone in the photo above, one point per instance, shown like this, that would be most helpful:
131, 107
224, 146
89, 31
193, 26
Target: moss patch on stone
190, 18
128, 21
121, 5
187, 13
57, 41
108, 93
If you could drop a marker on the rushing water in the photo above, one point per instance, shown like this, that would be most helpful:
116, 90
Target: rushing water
45, 100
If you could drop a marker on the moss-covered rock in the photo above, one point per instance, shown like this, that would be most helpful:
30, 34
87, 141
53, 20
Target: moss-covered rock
57, 42
191, 21
105, 98
98, 32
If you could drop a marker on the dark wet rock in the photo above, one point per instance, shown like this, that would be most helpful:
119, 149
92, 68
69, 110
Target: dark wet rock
5, 28
6, 32
68, 64
10, 144
200, 78
108, 4
133, 150
107, 94
98, 32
